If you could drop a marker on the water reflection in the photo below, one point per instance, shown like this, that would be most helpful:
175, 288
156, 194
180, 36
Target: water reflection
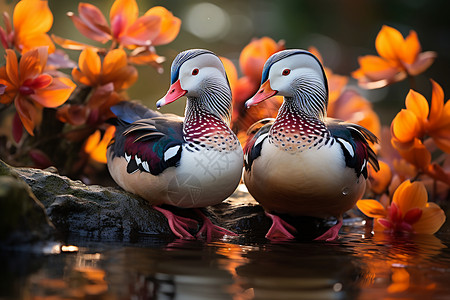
401, 266
358, 266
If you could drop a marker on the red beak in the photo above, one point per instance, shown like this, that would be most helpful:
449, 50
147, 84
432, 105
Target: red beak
175, 91
265, 92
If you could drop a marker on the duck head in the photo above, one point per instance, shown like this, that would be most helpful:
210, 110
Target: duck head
298, 76
200, 75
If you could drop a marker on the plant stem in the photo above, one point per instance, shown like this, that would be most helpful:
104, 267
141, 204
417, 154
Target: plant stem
412, 81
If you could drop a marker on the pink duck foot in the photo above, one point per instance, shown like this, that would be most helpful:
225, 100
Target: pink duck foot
331, 234
280, 229
179, 225
210, 230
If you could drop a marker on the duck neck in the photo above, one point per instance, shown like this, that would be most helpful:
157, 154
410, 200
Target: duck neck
204, 128
297, 130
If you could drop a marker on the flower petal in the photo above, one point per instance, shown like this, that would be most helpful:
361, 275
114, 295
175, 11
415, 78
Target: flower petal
433, 217
385, 224
92, 141
413, 215
30, 42
168, 28
147, 57
141, 32
380, 180
90, 66
442, 139
371, 208
69, 44
394, 213
389, 43
32, 17
100, 94
40, 159
230, 70
30, 114
91, 32
80, 77
114, 61
375, 68
73, 114
96, 148
418, 155
410, 195
440, 127
99, 154
411, 48
12, 67
93, 16
405, 126
60, 60
417, 103
376, 72
40, 82
55, 94
123, 13
255, 54
33, 63
126, 78
437, 103
424, 61
117, 71
91, 22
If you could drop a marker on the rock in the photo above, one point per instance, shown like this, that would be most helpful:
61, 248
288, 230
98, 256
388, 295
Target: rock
111, 213
93, 211
22, 217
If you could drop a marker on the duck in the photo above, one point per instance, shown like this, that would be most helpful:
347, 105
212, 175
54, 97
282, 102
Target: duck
189, 162
303, 163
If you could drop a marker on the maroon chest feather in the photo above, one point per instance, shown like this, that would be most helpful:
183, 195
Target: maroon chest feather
205, 130
294, 131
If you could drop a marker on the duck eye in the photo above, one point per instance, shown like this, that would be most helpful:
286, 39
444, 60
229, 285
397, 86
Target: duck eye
195, 72
286, 72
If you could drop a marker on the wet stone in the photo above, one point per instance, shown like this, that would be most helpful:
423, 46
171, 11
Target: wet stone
22, 217
110, 213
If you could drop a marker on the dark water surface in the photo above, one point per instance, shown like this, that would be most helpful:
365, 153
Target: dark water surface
357, 266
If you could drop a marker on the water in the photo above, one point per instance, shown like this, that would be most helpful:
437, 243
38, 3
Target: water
357, 266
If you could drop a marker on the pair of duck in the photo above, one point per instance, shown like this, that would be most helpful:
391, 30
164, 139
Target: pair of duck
300, 164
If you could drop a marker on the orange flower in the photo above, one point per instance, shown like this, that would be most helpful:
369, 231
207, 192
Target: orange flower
419, 120
32, 19
409, 211
157, 26
348, 104
31, 88
398, 58
96, 145
255, 54
115, 69
251, 61
108, 79
336, 83
231, 71
379, 181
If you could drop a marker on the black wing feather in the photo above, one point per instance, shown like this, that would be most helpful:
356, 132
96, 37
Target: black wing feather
144, 141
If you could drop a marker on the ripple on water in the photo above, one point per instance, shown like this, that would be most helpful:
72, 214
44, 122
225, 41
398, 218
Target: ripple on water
358, 266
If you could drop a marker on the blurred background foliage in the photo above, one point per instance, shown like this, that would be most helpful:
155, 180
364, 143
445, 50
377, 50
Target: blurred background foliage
341, 30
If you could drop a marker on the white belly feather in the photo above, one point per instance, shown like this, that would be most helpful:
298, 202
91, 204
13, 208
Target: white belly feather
205, 178
202, 178
312, 182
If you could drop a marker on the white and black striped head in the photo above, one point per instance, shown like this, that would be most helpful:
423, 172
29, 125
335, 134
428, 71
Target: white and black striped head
296, 75
200, 75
